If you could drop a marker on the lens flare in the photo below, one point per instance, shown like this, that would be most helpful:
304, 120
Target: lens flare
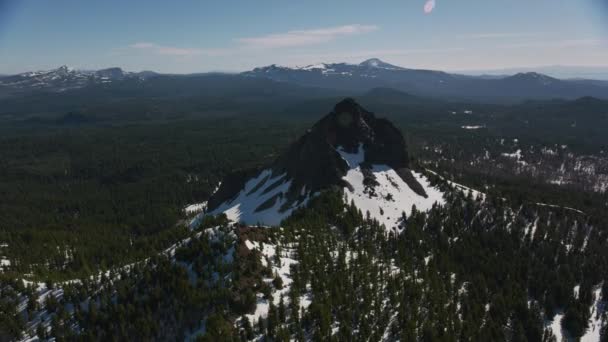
429, 6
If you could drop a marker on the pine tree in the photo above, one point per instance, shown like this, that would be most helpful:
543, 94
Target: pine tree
272, 321
247, 328
282, 311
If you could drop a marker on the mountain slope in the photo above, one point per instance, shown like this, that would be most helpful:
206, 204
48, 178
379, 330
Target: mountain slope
348, 149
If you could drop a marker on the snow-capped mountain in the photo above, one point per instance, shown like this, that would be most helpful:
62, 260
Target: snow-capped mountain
350, 150
372, 63
372, 68
65, 78
378, 64
374, 73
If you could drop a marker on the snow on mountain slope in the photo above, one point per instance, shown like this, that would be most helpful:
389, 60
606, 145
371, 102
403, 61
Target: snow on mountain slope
65, 78
195, 208
280, 267
321, 66
555, 326
391, 196
595, 322
261, 201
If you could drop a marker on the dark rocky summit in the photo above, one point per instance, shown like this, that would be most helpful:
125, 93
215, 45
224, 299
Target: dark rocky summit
313, 162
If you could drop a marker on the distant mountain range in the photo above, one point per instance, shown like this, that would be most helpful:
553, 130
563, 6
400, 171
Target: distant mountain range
65, 78
374, 73
350, 78
558, 71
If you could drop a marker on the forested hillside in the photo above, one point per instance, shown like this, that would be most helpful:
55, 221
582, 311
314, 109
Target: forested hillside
94, 221
474, 269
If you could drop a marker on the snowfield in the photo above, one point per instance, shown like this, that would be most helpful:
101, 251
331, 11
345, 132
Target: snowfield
261, 190
392, 196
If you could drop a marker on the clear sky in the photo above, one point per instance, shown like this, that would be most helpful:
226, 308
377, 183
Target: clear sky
185, 36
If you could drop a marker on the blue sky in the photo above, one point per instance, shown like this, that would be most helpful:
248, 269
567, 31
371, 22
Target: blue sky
234, 35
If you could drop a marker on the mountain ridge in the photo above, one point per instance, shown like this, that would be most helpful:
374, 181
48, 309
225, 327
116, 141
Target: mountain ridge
344, 77
66, 78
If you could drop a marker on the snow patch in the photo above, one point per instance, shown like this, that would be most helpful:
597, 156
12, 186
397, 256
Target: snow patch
320, 66
195, 208
556, 327
473, 127
391, 197
595, 322
282, 268
261, 201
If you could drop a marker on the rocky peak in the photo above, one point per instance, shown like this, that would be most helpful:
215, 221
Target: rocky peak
347, 125
377, 63
313, 163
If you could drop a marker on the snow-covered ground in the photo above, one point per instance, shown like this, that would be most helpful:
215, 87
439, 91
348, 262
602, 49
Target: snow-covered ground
556, 327
465, 189
392, 196
283, 270
195, 208
4, 261
257, 191
42, 292
473, 127
595, 322
320, 66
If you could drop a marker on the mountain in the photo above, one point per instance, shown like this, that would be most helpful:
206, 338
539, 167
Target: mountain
374, 73
350, 149
364, 76
65, 78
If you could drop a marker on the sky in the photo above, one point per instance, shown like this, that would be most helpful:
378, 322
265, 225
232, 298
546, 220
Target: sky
186, 36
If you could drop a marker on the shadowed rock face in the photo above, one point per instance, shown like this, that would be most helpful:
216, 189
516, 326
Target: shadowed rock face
313, 163
231, 185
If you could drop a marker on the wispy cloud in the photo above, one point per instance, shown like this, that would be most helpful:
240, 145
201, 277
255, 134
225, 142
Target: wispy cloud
176, 51
305, 37
500, 35
293, 38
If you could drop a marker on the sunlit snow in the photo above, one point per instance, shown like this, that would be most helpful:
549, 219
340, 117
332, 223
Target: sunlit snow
392, 195
257, 191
